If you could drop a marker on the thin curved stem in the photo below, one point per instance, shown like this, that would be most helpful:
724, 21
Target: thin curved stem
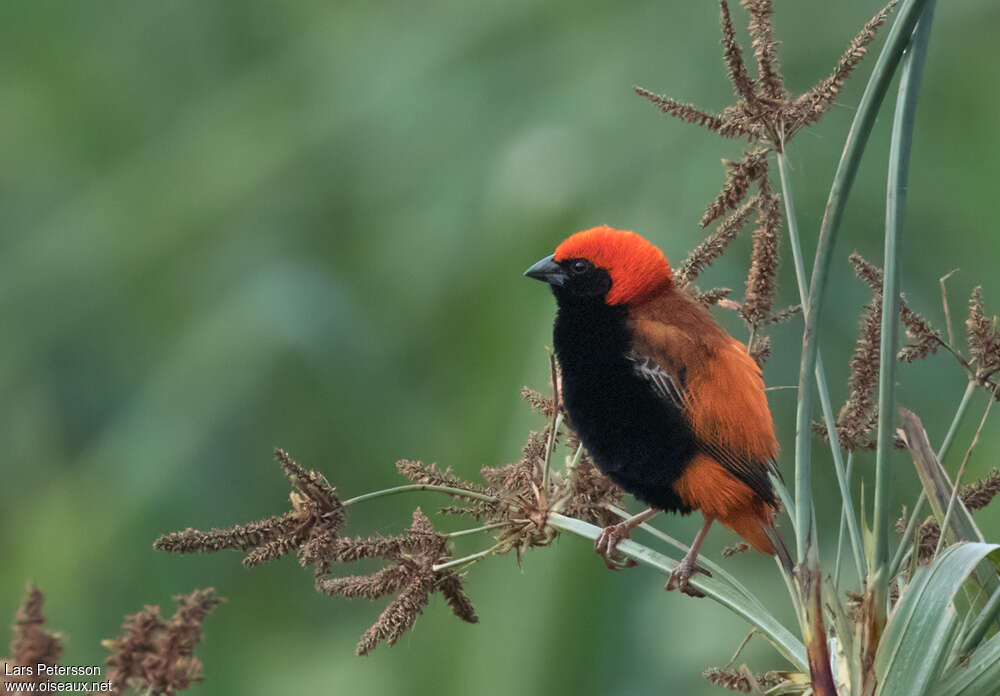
899, 166
456, 492
845, 513
843, 475
476, 530
471, 558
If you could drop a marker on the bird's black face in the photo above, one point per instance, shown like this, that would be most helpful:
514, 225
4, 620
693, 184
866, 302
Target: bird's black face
571, 278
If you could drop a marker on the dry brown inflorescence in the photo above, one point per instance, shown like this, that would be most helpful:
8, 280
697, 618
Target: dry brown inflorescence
513, 504
859, 414
153, 655
31, 644
767, 116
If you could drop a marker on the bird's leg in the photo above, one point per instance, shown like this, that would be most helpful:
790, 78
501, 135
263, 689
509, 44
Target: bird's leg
689, 564
609, 538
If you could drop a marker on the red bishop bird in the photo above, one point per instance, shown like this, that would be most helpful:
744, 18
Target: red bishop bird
669, 405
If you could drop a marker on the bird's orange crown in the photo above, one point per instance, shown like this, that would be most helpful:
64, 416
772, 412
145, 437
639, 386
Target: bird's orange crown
636, 266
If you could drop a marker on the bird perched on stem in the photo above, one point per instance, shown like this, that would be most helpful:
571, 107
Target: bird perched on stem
669, 405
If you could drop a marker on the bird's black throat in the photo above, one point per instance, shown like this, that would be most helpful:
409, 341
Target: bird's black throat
639, 440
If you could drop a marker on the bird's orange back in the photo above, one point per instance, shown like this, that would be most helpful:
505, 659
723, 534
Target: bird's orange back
727, 403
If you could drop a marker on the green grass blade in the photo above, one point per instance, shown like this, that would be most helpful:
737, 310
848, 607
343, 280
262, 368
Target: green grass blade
921, 627
981, 625
899, 168
980, 677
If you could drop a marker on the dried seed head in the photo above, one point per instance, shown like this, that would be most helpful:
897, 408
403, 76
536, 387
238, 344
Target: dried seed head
400, 615
418, 472
156, 655
685, 112
734, 680
714, 245
783, 315
30, 643
979, 494
762, 278
714, 296
309, 528
765, 48
733, 56
538, 402
924, 338
810, 107
739, 175
590, 492
379, 584
450, 586
858, 415
760, 350
983, 336
412, 574
242, 537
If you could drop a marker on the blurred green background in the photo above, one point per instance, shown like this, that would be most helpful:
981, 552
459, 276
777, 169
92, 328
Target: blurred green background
234, 226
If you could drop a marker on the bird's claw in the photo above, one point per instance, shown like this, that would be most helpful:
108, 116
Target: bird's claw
681, 577
606, 546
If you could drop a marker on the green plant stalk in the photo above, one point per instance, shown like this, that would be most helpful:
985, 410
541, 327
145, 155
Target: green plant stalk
779, 636
982, 624
857, 139
550, 447
844, 513
949, 438
470, 559
899, 166
476, 530
843, 476
456, 492
786, 500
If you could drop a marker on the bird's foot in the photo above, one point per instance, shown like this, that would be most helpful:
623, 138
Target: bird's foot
606, 546
680, 578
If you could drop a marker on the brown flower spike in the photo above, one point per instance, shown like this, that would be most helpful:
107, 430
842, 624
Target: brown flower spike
767, 116
414, 555
309, 527
859, 414
31, 644
156, 656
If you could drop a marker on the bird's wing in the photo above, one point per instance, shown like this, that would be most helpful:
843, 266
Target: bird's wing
720, 392
666, 385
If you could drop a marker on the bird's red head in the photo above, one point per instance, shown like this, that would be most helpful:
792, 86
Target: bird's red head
636, 267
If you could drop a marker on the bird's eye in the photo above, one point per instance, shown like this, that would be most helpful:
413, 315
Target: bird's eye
581, 266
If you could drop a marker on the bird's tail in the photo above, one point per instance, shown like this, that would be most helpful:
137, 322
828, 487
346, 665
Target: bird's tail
779, 547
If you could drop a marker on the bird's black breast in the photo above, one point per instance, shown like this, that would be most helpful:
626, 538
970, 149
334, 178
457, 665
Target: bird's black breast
641, 441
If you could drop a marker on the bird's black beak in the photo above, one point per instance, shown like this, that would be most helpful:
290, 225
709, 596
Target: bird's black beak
548, 271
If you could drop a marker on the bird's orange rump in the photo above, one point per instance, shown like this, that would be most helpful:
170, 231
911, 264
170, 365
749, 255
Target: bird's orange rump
707, 486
